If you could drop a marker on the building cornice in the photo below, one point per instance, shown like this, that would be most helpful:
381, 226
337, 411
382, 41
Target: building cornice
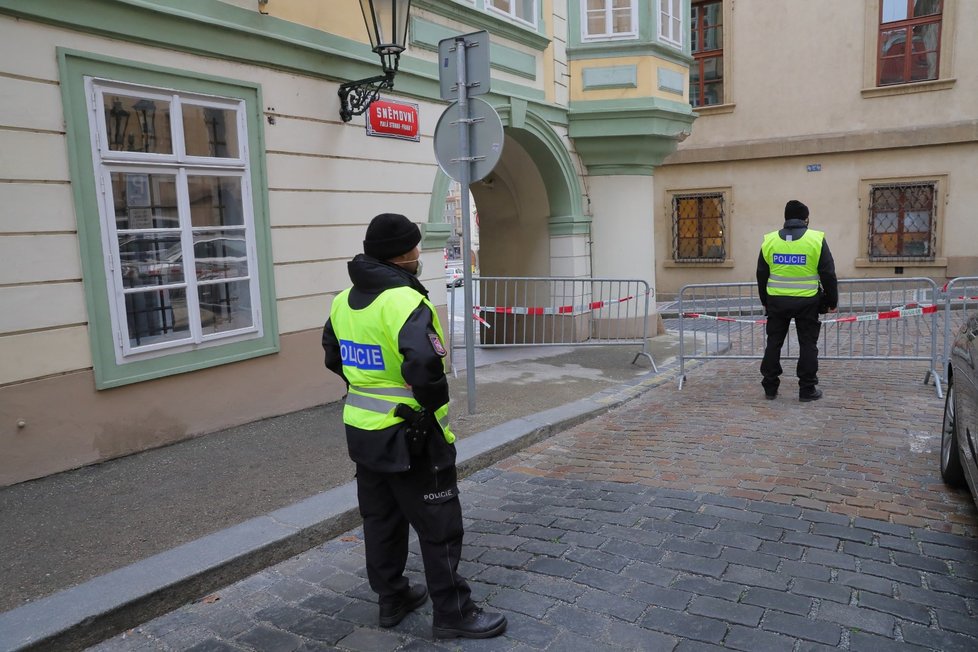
219, 30
860, 141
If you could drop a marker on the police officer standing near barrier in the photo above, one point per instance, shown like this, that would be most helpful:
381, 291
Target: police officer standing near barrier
384, 339
795, 280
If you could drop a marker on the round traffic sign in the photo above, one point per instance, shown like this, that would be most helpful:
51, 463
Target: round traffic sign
485, 140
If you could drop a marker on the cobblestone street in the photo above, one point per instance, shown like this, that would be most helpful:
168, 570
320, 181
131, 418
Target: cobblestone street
701, 519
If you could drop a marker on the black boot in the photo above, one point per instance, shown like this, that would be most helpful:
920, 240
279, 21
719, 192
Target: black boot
811, 395
477, 624
391, 613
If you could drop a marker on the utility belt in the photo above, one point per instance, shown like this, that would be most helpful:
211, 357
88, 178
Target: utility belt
416, 426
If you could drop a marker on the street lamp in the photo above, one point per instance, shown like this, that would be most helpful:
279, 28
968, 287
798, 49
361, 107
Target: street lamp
386, 22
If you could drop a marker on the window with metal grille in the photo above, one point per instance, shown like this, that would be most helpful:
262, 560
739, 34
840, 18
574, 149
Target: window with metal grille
698, 230
901, 221
706, 73
909, 41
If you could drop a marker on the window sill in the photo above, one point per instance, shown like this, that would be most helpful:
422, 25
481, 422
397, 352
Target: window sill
604, 38
866, 262
905, 89
714, 109
728, 263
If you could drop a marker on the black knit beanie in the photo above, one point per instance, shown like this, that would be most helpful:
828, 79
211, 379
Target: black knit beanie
390, 235
795, 210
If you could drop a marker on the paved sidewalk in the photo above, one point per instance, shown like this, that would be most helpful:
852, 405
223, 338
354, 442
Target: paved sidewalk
701, 519
133, 537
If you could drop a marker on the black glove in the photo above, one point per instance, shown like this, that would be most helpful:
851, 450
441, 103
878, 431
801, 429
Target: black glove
416, 425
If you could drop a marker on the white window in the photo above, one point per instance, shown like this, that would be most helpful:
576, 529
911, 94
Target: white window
522, 10
174, 196
671, 22
604, 19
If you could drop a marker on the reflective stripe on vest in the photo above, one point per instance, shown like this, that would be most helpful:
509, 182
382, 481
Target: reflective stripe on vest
372, 361
793, 263
356, 399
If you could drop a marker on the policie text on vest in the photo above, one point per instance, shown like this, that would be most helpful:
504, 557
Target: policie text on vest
361, 356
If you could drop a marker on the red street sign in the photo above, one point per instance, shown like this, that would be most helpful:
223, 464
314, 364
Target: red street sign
389, 119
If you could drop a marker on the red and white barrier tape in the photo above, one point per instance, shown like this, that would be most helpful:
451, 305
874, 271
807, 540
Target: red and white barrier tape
910, 310
554, 310
963, 298
699, 315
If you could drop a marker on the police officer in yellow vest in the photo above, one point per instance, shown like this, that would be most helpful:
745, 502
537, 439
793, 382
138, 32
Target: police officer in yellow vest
795, 280
384, 339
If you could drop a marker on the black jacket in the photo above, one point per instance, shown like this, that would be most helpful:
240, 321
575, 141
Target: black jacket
826, 268
423, 367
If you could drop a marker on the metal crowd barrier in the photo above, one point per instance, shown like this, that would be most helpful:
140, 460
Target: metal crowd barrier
960, 300
555, 311
878, 319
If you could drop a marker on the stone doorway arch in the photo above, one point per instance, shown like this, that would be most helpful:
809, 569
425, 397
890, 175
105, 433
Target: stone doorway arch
531, 207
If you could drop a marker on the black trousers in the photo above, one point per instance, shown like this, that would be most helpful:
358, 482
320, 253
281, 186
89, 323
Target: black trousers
780, 312
429, 503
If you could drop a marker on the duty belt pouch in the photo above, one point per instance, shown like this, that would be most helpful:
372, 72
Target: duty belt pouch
414, 429
442, 487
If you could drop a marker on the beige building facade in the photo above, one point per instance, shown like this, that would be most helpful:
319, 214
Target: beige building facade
180, 196
822, 102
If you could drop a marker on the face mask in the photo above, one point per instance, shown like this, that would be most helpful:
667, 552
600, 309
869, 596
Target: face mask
420, 263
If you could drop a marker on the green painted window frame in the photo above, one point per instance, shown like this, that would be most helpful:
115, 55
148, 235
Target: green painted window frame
74, 67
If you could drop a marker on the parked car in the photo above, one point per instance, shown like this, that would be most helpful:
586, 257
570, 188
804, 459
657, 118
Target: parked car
453, 277
959, 434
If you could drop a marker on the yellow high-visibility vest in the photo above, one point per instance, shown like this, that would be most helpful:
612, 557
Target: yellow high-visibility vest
372, 361
793, 264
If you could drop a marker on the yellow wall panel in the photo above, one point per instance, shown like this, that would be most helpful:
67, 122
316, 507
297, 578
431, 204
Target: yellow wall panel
341, 17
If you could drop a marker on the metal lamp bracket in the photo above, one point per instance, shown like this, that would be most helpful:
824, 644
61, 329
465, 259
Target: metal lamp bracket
357, 96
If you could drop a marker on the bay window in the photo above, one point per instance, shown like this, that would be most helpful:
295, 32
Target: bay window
522, 10
671, 22
605, 19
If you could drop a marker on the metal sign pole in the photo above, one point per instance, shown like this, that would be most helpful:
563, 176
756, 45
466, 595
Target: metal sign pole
480, 142
465, 181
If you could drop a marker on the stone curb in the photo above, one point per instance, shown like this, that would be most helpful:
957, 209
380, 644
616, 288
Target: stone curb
107, 605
